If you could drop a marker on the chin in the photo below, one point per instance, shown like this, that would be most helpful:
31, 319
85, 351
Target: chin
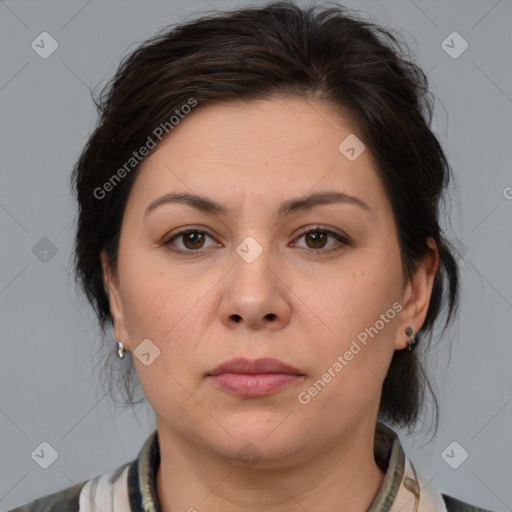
267, 433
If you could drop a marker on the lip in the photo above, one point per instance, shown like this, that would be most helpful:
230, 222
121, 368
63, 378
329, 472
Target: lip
253, 378
254, 366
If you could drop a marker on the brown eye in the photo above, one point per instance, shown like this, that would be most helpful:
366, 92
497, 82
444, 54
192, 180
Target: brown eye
317, 239
192, 240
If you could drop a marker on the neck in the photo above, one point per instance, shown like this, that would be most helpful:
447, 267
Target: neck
344, 477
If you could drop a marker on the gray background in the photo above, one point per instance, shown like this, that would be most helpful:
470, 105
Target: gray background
49, 389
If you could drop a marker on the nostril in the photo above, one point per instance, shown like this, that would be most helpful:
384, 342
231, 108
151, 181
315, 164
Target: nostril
271, 316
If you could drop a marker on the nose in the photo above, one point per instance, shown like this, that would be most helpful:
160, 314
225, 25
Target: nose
255, 294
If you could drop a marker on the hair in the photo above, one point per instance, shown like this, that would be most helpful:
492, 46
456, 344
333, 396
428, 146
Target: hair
276, 51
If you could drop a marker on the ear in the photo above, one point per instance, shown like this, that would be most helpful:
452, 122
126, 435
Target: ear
111, 284
417, 293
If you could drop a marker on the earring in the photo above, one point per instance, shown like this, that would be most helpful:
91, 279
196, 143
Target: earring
120, 350
412, 334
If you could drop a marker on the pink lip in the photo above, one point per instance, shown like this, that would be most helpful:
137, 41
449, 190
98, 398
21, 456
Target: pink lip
252, 378
263, 365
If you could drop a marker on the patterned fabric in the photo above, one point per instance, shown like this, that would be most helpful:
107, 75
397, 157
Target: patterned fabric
132, 487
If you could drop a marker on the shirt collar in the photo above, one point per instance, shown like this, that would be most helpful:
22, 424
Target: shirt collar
142, 477
390, 457
388, 453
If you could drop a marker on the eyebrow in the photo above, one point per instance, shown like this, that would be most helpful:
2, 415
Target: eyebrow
209, 206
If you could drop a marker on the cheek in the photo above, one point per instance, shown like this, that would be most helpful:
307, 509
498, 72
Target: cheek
159, 308
155, 299
355, 317
162, 306
355, 296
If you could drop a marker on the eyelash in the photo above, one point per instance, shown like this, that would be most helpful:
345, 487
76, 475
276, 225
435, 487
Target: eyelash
343, 241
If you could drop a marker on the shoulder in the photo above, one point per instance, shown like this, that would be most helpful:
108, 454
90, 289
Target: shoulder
107, 491
455, 505
113, 490
66, 500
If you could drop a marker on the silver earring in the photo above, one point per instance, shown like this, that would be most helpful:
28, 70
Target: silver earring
120, 350
412, 334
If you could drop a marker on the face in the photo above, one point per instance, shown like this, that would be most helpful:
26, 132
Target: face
318, 285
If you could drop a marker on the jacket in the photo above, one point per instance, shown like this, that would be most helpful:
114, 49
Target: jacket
132, 486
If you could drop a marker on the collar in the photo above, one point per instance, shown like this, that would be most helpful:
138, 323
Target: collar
401, 489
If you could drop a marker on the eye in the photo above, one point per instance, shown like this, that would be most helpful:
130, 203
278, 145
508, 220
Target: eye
316, 240
192, 239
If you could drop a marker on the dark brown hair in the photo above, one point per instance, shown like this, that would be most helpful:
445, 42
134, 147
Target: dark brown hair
327, 53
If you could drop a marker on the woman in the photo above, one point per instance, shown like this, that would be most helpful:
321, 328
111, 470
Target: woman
258, 221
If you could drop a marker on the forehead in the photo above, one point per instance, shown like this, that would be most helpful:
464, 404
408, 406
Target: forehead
259, 152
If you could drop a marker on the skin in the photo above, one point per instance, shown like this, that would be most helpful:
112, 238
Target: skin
207, 307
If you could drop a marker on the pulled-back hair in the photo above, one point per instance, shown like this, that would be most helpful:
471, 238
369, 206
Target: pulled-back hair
279, 50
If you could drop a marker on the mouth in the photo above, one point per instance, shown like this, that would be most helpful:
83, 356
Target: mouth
253, 378
254, 366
